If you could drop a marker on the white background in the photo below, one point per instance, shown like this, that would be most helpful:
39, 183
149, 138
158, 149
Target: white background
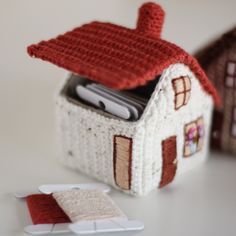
203, 202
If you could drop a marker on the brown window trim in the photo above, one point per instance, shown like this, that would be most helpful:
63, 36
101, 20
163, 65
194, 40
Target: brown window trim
129, 160
187, 90
184, 92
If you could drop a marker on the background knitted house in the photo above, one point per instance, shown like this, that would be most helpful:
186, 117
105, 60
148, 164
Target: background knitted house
172, 134
219, 61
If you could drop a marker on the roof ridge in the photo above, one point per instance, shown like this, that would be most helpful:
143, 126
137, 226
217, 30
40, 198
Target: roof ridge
139, 57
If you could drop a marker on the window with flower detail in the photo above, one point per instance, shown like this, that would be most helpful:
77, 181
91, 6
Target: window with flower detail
194, 137
182, 89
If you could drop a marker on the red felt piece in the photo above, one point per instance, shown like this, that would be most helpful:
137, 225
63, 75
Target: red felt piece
119, 57
45, 210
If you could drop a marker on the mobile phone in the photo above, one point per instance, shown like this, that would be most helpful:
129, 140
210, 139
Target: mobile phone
123, 96
102, 102
135, 109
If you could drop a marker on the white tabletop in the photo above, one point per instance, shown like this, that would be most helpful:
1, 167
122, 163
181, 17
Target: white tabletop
202, 202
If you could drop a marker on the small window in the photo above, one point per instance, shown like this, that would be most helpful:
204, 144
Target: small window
233, 126
194, 137
230, 75
182, 88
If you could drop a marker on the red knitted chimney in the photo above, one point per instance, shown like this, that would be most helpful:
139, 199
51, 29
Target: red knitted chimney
151, 19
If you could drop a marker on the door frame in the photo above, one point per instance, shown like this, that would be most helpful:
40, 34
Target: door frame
169, 160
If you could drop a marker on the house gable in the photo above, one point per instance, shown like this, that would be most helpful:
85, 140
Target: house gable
165, 94
162, 121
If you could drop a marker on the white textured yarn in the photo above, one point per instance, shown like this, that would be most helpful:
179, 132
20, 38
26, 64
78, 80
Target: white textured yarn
86, 135
87, 205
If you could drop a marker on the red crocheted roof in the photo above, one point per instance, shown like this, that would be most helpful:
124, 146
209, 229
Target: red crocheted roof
119, 57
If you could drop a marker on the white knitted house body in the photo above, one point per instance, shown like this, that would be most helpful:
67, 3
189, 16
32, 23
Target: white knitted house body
87, 134
172, 134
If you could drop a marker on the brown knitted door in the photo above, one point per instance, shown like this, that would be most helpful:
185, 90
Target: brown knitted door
169, 155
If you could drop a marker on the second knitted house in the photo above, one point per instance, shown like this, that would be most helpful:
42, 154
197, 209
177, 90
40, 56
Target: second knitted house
219, 61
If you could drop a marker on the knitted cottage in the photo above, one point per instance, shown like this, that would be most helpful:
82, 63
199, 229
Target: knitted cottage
219, 61
172, 134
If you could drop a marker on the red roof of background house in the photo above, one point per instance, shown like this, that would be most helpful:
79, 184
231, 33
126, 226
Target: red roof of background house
119, 57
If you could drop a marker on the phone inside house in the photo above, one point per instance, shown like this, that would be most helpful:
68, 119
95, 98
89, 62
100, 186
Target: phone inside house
119, 103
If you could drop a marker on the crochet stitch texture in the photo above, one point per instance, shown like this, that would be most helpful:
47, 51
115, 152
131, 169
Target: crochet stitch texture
87, 205
45, 210
133, 156
119, 57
